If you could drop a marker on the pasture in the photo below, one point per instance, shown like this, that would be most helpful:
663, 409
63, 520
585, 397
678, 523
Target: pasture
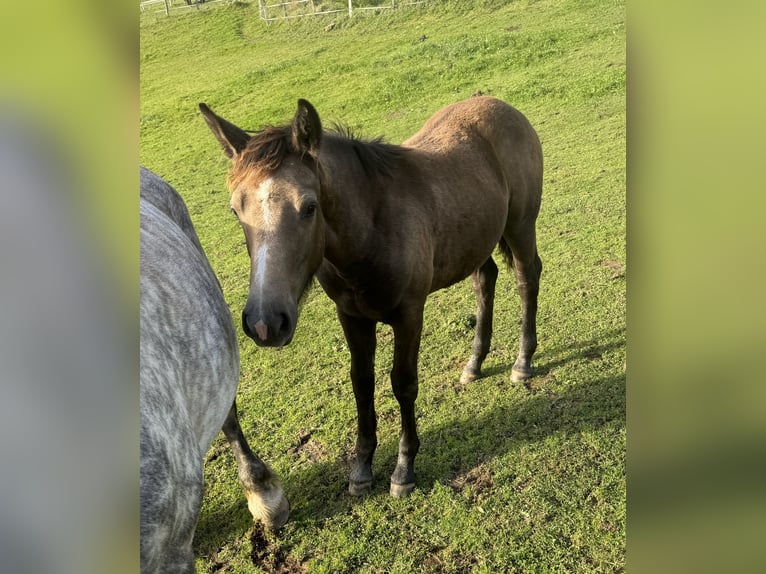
510, 477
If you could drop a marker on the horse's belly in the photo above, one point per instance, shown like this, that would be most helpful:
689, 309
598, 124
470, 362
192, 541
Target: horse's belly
459, 256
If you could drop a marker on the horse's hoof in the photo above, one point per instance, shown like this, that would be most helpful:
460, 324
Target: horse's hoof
271, 507
519, 374
402, 490
359, 488
469, 377
279, 519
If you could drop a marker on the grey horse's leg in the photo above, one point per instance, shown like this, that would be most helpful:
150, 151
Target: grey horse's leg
171, 497
265, 497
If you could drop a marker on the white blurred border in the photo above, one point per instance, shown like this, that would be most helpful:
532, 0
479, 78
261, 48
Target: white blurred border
68, 288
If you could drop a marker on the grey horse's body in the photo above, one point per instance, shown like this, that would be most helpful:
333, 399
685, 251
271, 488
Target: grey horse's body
189, 377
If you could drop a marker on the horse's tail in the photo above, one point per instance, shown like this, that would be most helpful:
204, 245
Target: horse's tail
505, 251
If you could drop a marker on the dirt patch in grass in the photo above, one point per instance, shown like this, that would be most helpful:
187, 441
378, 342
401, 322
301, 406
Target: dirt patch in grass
617, 268
395, 115
474, 482
592, 354
539, 383
441, 561
308, 448
269, 555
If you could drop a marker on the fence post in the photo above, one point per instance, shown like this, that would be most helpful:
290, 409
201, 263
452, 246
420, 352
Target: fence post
167, 9
350, 9
265, 11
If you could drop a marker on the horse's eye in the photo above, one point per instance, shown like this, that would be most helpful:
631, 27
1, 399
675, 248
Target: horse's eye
235, 213
308, 210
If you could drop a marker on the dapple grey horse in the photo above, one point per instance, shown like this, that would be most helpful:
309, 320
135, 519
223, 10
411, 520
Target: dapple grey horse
189, 378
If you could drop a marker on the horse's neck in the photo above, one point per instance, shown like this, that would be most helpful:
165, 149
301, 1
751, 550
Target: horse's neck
348, 214
347, 228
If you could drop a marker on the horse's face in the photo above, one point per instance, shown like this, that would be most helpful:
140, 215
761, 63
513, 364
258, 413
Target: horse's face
275, 193
281, 217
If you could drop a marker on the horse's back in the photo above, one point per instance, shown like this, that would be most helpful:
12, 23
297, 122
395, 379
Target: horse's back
161, 194
484, 133
489, 117
189, 374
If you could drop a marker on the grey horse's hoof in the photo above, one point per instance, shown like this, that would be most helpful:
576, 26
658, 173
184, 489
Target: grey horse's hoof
359, 488
270, 507
279, 519
402, 490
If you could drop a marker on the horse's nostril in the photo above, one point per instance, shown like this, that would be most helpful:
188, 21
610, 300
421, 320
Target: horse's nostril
283, 324
245, 326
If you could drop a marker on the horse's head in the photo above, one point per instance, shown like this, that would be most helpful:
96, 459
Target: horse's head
275, 185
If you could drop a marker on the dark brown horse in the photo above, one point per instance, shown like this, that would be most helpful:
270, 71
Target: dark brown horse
382, 226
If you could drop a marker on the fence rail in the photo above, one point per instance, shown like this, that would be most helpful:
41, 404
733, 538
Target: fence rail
179, 4
287, 8
301, 8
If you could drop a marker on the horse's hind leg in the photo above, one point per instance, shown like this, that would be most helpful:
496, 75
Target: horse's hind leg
527, 268
265, 497
483, 281
171, 484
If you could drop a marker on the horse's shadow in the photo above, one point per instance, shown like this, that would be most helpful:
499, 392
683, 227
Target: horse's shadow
318, 490
545, 362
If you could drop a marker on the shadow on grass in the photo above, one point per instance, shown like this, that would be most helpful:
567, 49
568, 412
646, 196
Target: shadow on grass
318, 491
544, 362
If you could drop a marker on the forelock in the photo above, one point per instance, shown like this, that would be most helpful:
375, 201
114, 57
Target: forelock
262, 155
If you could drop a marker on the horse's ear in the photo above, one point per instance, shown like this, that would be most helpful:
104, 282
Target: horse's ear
232, 139
307, 129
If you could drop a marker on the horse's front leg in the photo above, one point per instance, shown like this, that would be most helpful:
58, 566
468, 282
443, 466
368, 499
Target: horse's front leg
265, 497
404, 379
360, 336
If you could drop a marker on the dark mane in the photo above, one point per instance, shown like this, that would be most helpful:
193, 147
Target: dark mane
377, 157
268, 148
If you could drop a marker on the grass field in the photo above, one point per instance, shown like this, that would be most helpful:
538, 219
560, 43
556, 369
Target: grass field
511, 477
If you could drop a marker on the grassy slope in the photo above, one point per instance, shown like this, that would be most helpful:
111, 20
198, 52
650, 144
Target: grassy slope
510, 477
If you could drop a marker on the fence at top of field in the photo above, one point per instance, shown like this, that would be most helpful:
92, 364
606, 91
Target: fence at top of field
179, 4
286, 9
300, 8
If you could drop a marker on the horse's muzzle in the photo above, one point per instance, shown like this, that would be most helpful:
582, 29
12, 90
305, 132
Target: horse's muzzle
269, 328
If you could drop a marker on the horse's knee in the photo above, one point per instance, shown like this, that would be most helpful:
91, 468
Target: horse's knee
404, 382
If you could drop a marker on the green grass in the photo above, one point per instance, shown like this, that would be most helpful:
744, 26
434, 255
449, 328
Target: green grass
511, 477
